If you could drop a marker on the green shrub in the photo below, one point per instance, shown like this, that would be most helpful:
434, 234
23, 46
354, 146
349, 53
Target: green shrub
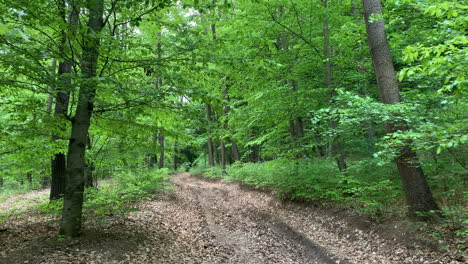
366, 187
114, 196
197, 170
207, 172
12, 187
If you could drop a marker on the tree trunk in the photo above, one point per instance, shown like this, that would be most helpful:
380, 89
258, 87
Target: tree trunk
210, 140
29, 178
63, 89
217, 154
176, 157
161, 154
418, 195
235, 150
73, 198
50, 102
336, 147
57, 187
50, 98
223, 154
89, 168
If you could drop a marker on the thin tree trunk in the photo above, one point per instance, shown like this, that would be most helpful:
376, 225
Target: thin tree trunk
89, 168
176, 157
158, 82
235, 150
418, 195
210, 140
223, 155
211, 148
336, 147
217, 155
50, 98
50, 102
29, 178
73, 198
161, 154
63, 89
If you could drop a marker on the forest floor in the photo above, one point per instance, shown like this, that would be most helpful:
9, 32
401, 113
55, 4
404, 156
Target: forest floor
204, 221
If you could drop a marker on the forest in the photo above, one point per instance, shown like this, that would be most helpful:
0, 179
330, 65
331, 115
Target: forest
159, 131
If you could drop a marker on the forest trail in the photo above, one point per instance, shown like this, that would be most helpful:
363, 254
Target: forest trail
241, 226
202, 221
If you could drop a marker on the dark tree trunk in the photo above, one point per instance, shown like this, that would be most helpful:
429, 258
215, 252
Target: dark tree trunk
29, 178
61, 107
57, 188
217, 155
318, 153
235, 151
161, 154
150, 161
73, 198
176, 157
418, 195
1, 182
336, 147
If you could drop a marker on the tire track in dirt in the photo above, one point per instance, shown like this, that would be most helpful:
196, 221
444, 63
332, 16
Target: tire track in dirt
251, 233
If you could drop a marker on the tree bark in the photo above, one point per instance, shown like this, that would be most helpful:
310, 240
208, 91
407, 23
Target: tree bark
73, 198
89, 167
418, 195
57, 187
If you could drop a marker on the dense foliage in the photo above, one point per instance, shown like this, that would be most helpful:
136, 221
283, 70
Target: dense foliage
278, 94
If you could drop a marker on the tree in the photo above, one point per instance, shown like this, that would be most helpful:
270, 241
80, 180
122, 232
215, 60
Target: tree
73, 198
418, 195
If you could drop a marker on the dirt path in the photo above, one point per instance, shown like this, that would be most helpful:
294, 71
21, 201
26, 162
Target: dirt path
240, 224
209, 222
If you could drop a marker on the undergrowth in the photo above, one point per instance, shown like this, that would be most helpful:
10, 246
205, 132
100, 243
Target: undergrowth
115, 197
13, 187
366, 187
363, 188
